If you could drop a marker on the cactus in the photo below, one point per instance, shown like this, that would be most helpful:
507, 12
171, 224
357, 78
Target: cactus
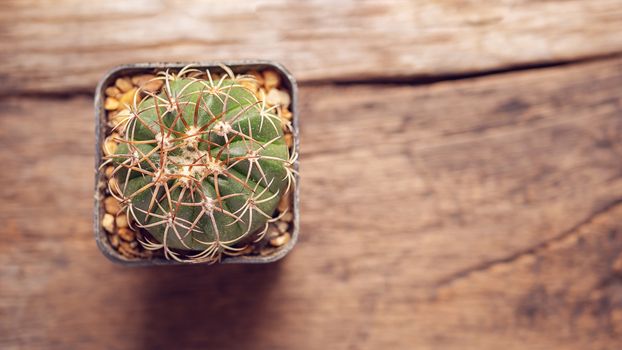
201, 165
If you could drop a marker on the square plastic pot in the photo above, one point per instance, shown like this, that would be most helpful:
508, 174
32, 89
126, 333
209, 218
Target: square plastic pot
288, 83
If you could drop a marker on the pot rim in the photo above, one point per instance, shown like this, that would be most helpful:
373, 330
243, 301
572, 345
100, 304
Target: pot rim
239, 66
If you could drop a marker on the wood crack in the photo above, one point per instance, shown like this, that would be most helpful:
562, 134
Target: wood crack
488, 265
406, 80
416, 80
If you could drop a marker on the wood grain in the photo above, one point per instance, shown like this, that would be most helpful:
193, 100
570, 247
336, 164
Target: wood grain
475, 214
61, 46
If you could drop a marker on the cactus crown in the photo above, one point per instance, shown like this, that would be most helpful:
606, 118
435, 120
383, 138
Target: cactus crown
201, 165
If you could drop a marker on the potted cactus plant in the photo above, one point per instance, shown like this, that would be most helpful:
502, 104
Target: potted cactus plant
197, 163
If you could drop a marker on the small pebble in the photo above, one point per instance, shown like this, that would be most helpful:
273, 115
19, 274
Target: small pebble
113, 183
282, 226
247, 250
119, 117
265, 251
250, 85
114, 241
128, 97
126, 234
112, 91
271, 79
124, 84
142, 79
280, 240
289, 140
108, 223
261, 94
111, 104
153, 86
278, 97
285, 113
112, 205
124, 113
283, 203
116, 121
258, 77
121, 221
108, 171
286, 125
273, 233
110, 145
126, 249
112, 114
273, 97
288, 217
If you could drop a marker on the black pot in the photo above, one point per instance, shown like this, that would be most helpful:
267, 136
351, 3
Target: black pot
101, 238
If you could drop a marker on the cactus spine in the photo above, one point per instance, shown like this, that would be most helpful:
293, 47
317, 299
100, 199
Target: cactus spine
201, 165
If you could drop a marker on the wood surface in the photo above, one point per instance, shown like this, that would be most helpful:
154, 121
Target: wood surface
451, 212
473, 214
65, 46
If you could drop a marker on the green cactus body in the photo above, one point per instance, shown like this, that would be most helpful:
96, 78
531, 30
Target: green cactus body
201, 166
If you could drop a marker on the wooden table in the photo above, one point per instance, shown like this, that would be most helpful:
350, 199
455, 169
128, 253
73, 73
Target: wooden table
461, 177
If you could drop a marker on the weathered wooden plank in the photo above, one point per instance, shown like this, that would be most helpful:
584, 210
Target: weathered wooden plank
59, 46
474, 214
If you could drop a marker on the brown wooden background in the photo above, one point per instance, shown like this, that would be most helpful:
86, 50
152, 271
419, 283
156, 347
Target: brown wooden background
461, 166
